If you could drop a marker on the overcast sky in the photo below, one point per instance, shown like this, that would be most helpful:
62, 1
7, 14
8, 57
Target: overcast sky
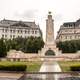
37, 10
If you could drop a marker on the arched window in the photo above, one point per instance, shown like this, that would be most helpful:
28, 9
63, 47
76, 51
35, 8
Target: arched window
49, 53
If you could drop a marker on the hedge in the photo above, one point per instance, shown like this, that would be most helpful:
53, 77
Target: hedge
75, 68
13, 67
71, 46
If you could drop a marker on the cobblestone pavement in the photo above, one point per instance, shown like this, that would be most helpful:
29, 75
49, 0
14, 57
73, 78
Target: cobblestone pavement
6, 78
70, 78
10, 76
67, 78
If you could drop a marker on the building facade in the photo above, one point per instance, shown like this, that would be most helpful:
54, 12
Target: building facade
69, 31
10, 29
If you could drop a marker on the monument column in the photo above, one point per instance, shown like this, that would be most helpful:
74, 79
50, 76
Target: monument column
50, 42
49, 29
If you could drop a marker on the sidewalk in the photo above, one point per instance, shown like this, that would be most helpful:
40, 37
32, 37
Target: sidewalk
10, 75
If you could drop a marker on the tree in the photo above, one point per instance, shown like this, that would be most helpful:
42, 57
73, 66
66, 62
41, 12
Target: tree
3, 51
33, 44
69, 46
27, 45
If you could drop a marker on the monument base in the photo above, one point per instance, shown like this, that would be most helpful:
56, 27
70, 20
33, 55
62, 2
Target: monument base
49, 47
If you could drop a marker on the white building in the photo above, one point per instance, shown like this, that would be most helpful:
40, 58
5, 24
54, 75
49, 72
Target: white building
12, 29
69, 31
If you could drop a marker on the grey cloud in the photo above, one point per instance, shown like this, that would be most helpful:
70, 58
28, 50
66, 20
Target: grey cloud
29, 14
58, 17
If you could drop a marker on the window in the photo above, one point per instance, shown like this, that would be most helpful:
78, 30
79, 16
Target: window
75, 36
21, 31
10, 36
78, 36
66, 31
18, 31
2, 35
13, 36
70, 37
25, 31
28, 31
32, 32
65, 37
3, 30
6, 30
71, 25
21, 36
11, 31
35, 32
5, 36
61, 37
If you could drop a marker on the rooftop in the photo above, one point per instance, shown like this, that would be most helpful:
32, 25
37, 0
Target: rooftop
6, 22
72, 24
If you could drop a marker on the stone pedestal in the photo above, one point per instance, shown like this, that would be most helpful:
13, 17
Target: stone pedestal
49, 47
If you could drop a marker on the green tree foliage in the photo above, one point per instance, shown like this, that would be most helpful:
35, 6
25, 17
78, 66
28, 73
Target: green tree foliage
3, 51
27, 45
32, 44
69, 46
